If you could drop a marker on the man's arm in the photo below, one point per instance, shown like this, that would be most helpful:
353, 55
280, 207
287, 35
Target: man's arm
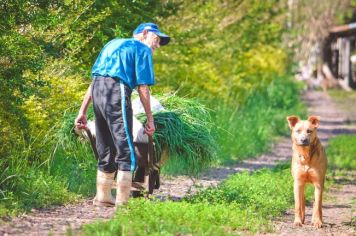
144, 93
81, 120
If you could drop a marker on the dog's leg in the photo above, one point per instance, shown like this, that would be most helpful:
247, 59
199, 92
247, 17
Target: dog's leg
317, 209
298, 203
303, 207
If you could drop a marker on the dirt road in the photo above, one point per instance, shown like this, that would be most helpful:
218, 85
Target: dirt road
339, 204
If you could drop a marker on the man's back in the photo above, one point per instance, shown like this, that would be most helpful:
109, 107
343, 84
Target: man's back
126, 59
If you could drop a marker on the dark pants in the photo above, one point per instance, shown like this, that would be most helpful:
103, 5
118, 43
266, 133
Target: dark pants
113, 124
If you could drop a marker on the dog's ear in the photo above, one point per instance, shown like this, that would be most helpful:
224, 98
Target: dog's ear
292, 120
314, 120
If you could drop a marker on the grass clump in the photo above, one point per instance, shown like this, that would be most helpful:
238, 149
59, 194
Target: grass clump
341, 152
244, 202
185, 128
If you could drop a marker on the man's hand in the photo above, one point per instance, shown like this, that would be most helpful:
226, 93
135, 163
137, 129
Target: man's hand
144, 93
81, 121
150, 128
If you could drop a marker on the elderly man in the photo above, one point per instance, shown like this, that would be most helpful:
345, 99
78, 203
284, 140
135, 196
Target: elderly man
122, 65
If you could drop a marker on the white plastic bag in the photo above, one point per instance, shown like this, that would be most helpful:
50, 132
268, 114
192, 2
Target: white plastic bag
137, 107
138, 132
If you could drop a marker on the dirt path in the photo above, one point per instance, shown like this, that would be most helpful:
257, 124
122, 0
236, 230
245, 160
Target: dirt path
339, 205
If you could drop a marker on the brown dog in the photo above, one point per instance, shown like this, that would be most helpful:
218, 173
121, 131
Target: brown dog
309, 165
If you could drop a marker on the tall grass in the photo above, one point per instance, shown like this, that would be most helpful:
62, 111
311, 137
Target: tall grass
57, 169
25, 185
74, 160
247, 130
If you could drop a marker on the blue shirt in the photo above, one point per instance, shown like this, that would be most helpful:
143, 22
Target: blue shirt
126, 59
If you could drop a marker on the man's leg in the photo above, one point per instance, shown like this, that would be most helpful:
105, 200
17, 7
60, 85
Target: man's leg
105, 147
119, 117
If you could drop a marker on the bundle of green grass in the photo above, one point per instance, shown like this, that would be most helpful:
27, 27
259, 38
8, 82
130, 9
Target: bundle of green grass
184, 128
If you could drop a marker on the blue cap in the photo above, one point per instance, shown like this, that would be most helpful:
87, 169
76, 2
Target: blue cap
154, 29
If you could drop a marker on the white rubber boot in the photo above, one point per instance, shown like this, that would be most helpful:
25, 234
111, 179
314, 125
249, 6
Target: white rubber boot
103, 189
124, 182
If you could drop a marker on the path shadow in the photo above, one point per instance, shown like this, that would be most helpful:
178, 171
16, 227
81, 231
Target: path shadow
331, 122
351, 223
337, 131
336, 206
328, 225
345, 181
221, 173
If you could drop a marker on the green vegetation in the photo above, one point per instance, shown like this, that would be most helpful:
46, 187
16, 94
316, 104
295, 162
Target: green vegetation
341, 152
244, 202
229, 56
186, 130
25, 187
231, 59
47, 50
250, 130
236, 68
75, 157
339, 95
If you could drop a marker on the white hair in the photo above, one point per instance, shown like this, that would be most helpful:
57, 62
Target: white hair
138, 36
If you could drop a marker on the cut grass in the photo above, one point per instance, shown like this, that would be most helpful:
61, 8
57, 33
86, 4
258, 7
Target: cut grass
186, 130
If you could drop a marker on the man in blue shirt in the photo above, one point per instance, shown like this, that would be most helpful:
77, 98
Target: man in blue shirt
122, 65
